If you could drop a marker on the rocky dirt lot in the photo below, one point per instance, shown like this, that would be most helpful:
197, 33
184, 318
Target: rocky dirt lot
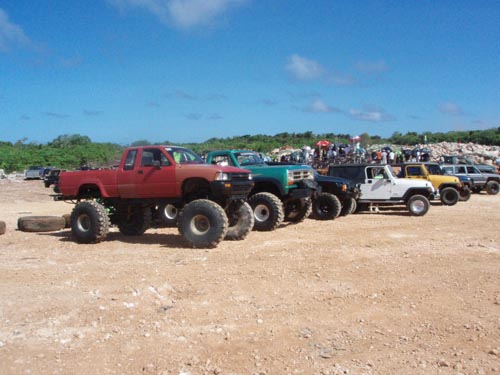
372, 293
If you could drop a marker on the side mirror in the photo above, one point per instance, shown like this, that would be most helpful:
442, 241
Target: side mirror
157, 164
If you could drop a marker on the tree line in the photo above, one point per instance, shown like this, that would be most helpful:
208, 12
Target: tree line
74, 151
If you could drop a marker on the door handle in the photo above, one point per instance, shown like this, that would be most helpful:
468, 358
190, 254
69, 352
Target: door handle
140, 172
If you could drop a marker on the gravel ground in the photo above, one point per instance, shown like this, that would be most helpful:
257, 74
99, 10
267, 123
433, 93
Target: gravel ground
371, 293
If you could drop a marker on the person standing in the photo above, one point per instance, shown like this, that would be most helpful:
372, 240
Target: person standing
384, 157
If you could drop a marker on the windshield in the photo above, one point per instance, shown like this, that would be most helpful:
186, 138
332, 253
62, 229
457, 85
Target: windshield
184, 156
248, 158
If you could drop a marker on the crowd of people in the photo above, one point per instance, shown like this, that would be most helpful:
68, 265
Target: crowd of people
354, 153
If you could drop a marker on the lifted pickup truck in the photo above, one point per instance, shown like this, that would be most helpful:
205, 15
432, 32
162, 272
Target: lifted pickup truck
450, 188
211, 199
379, 185
280, 192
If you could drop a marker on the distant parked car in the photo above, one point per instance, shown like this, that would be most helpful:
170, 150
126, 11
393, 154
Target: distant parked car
34, 172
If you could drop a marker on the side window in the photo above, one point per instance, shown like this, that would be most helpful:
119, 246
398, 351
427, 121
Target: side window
448, 170
471, 170
150, 155
460, 170
221, 160
414, 171
130, 160
376, 173
147, 158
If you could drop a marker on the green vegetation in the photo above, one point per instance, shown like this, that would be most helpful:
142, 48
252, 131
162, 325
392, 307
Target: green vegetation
73, 151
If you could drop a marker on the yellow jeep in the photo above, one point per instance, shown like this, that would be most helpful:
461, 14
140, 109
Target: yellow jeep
450, 188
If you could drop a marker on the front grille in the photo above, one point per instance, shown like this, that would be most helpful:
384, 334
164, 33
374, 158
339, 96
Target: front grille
298, 175
239, 177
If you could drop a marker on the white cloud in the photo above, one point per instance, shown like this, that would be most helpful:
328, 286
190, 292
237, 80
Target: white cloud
319, 106
450, 108
304, 69
184, 14
11, 35
371, 115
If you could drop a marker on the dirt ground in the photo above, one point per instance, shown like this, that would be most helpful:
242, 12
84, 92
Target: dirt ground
371, 293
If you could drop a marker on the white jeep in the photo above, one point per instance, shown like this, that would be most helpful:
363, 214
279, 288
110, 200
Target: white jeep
380, 185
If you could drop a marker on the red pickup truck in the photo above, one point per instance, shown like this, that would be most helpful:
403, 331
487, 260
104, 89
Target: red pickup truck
211, 199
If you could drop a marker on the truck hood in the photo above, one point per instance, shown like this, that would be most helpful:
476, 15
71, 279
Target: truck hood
215, 168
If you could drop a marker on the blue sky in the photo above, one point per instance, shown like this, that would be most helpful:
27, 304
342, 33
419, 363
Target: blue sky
189, 70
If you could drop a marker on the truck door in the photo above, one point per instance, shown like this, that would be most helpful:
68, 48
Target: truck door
155, 175
377, 184
125, 179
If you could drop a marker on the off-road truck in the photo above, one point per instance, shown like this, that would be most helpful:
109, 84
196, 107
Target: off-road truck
450, 188
211, 198
280, 192
337, 198
379, 185
480, 180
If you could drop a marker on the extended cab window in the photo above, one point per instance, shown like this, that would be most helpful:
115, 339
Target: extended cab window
130, 160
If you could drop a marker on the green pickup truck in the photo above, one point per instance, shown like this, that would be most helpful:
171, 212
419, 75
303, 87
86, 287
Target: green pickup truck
280, 192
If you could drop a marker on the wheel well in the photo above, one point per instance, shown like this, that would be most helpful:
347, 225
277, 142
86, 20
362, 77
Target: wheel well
195, 188
443, 186
89, 191
266, 187
411, 193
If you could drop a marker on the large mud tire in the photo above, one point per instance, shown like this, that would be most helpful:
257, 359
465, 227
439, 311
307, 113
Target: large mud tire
241, 220
347, 206
267, 211
3, 227
134, 220
297, 210
418, 205
326, 207
203, 223
168, 214
40, 223
492, 187
354, 206
449, 196
89, 222
465, 195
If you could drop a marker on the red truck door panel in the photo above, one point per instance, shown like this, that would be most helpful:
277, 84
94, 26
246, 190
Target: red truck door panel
154, 174
126, 175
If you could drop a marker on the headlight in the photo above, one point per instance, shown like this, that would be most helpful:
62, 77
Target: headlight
250, 176
221, 176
